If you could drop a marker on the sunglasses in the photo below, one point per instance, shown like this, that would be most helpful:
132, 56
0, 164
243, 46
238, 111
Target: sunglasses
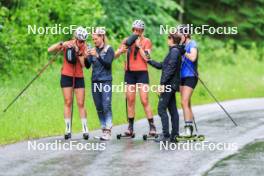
81, 41
137, 30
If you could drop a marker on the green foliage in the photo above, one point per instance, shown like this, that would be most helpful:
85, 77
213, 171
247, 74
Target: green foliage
246, 15
119, 16
22, 50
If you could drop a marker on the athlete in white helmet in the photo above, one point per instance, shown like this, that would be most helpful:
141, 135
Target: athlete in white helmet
136, 48
139, 24
72, 78
81, 34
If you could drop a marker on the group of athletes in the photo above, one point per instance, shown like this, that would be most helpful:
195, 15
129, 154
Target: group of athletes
179, 71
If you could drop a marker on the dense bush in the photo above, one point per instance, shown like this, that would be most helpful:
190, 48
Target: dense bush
20, 51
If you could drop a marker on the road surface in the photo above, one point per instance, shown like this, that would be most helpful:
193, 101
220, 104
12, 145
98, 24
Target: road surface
136, 157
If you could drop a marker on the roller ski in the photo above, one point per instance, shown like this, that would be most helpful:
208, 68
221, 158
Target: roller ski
193, 138
189, 136
127, 135
152, 135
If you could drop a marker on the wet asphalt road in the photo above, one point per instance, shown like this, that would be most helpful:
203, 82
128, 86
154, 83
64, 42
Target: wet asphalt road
136, 157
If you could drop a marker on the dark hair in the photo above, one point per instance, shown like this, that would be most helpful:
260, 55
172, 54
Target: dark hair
176, 37
185, 30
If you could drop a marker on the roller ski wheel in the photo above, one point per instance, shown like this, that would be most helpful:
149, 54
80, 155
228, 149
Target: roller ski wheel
193, 138
120, 136
67, 136
99, 138
85, 136
149, 136
201, 137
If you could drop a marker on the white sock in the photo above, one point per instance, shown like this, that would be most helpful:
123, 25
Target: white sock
68, 125
84, 125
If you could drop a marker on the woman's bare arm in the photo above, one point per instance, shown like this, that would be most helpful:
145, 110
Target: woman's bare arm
56, 47
192, 55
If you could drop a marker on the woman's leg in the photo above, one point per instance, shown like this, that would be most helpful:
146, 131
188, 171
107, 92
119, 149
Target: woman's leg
186, 94
97, 97
107, 104
174, 116
164, 100
67, 94
80, 96
130, 98
107, 109
143, 92
144, 100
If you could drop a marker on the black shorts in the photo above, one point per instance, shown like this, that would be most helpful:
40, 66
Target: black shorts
134, 77
189, 81
67, 81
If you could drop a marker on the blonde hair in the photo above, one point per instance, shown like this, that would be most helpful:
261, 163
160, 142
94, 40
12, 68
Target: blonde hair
105, 40
101, 33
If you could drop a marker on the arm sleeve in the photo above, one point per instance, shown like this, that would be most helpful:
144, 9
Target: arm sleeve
157, 65
170, 71
107, 60
88, 62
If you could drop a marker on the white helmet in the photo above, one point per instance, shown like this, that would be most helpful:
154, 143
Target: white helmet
139, 24
81, 33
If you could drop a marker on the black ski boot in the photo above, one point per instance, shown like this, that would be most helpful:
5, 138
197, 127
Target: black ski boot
67, 136
162, 138
85, 136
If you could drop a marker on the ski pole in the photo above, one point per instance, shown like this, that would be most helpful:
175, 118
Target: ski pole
126, 109
196, 129
210, 93
27, 86
73, 89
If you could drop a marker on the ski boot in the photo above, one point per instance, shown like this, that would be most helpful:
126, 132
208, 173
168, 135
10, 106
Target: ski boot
152, 133
162, 138
188, 135
85, 136
67, 136
129, 133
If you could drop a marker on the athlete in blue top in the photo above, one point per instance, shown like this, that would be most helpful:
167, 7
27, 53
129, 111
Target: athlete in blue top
189, 79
